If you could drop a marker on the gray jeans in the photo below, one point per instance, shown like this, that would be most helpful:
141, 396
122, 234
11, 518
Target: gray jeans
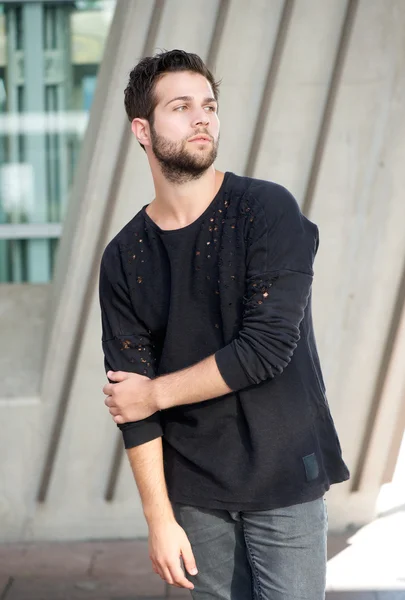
258, 555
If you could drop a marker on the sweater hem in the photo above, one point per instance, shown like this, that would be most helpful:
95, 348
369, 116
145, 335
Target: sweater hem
213, 503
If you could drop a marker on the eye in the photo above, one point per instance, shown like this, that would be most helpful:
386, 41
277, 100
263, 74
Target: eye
179, 108
211, 108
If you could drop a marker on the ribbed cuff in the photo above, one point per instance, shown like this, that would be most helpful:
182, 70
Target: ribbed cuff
231, 369
139, 432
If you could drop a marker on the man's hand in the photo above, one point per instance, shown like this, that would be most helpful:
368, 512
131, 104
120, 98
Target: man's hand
130, 398
167, 543
136, 397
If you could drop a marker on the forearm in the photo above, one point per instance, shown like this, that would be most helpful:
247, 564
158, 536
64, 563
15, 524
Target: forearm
200, 382
146, 462
136, 398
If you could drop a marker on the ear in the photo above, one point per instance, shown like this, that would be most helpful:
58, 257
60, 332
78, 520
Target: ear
140, 129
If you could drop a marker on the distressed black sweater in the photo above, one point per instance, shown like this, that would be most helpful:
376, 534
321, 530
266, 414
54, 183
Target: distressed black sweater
235, 283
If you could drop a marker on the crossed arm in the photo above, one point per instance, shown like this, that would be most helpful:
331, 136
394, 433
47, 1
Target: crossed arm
133, 397
279, 274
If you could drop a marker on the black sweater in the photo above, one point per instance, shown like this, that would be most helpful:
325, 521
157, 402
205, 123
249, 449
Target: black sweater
235, 283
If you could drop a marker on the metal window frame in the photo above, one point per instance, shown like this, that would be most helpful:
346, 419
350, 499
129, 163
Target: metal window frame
30, 231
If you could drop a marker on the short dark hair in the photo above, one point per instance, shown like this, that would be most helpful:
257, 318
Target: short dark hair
139, 97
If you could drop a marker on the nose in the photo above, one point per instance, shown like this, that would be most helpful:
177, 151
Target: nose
201, 118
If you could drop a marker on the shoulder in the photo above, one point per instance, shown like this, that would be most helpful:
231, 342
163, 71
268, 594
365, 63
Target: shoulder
274, 211
124, 240
111, 265
275, 203
266, 200
269, 197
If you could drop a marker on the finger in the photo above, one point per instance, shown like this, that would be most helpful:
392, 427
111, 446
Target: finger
109, 401
166, 575
155, 568
109, 389
117, 375
189, 560
114, 411
119, 420
179, 578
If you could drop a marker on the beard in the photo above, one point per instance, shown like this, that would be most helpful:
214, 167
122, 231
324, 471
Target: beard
177, 163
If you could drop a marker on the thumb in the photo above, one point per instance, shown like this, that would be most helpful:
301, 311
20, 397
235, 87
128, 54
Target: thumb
117, 376
188, 559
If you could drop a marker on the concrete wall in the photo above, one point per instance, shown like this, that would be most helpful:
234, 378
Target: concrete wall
312, 97
22, 317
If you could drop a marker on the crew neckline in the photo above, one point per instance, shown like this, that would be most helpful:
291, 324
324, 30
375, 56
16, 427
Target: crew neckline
193, 223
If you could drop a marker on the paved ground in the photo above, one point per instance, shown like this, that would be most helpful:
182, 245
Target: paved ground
372, 563
113, 570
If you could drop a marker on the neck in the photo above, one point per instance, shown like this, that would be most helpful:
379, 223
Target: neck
178, 205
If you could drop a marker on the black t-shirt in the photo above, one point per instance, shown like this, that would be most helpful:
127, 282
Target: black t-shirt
192, 330
235, 283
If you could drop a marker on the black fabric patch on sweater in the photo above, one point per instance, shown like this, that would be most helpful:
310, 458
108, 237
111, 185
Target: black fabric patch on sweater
311, 466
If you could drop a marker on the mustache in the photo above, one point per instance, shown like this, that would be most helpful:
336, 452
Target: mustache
202, 132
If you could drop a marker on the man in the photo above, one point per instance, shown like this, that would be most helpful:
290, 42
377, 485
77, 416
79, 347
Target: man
210, 352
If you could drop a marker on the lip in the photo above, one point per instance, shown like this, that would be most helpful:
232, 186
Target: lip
200, 138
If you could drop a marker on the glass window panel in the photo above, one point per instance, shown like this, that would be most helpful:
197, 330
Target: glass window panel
50, 53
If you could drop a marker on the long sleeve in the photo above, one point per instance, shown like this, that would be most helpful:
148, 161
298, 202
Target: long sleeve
279, 272
126, 342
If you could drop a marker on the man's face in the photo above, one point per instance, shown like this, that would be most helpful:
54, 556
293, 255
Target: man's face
186, 108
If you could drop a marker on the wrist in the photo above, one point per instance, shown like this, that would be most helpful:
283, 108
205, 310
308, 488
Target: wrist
157, 516
159, 394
